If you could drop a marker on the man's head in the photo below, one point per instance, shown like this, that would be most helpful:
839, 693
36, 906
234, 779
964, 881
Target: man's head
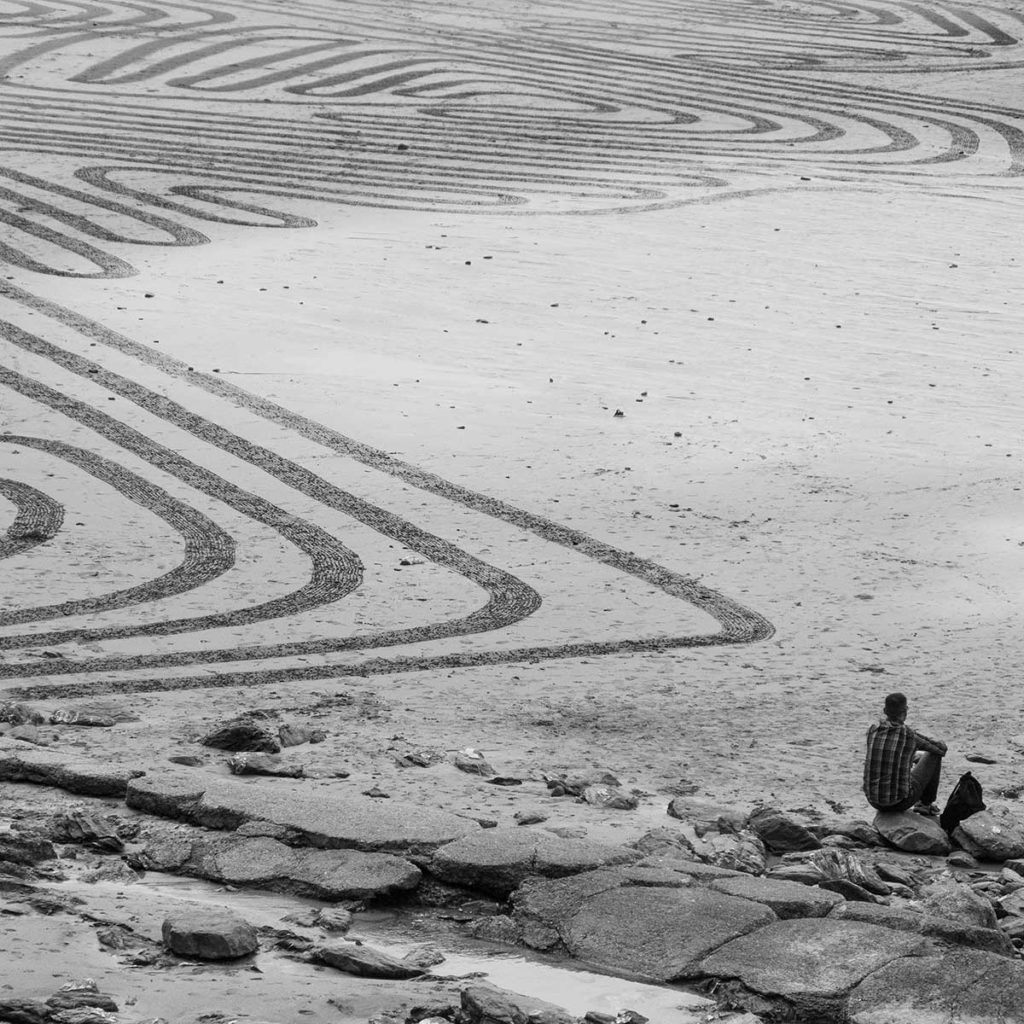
896, 707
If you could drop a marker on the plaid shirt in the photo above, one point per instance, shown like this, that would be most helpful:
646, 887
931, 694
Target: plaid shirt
890, 756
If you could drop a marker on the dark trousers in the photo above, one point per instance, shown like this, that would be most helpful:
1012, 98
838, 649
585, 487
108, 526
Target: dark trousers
924, 782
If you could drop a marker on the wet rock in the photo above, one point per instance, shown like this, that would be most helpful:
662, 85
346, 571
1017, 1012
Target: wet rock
334, 919
912, 833
243, 734
248, 763
786, 899
18, 713
944, 988
473, 763
990, 836
76, 716
946, 897
610, 797
605, 918
209, 934
61, 770
807, 967
488, 1004
499, 928
26, 847
291, 735
426, 956
908, 920
780, 833
498, 860
364, 961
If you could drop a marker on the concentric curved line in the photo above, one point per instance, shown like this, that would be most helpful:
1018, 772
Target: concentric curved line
38, 518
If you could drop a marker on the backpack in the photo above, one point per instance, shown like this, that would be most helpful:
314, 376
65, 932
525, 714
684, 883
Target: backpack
965, 800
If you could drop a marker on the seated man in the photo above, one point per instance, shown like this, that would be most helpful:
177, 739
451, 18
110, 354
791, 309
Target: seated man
901, 770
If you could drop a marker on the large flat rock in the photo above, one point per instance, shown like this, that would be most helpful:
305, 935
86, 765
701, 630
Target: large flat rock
498, 860
912, 833
308, 816
957, 987
808, 966
62, 770
787, 899
657, 933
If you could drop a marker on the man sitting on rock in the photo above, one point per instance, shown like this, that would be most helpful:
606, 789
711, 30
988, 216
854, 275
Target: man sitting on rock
901, 770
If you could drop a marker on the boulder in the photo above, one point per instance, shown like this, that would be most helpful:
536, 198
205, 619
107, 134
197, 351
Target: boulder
913, 833
906, 920
859, 831
247, 763
958, 985
487, 1004
291, 735
786, 899
78, 827
990, 836
946, 897
209, 934
364, 961
611, 797
780, 833
666, 841
25, 1011
243, 734
806, 968
473, 763
654, 932
498, 860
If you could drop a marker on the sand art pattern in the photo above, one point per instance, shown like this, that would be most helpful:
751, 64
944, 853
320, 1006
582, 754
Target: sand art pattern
155, 120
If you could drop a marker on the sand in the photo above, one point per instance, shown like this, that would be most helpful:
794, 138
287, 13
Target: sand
357, 433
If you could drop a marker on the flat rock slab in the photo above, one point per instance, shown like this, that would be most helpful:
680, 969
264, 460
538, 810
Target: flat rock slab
913, 833
787, 899
365, 961
652, 932
307, 817
61, 770
809, 966
957, 987
990, 837
960, 932
209, 934
499, 860
487, 1004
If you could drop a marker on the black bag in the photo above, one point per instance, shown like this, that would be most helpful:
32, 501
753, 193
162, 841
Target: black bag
964, 801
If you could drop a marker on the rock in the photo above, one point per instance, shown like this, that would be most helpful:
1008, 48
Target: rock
209, 934
188, 760
666, 841
529, 817
498, 860
780, 833
243, 734
499, 928
913, 833
334, 919
786, 899
657, 933
75, 994
946, 897
247, 763
706, 816
24, 1011
610, 797
291, 735
942, 988
488, 1004
575, 783
857, 830
24, 847
424, 957
265, 863
71, 772
76, 716
18, 713
473, 763
906, 920
740, 851
364, 961
807, 967
310, 818
115, 871
1016, 865
78, 827
695, 869
30, 734
990, 836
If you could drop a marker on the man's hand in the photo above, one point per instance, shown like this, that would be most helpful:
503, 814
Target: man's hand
942, 748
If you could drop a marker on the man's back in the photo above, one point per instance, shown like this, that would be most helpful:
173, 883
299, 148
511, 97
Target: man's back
887, 766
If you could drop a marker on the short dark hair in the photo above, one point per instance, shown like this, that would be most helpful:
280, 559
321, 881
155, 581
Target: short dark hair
895, 704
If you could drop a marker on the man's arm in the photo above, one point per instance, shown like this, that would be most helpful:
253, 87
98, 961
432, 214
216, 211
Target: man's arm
931, 746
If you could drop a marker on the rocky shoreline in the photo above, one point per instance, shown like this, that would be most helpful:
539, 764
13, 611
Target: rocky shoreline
772, 917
